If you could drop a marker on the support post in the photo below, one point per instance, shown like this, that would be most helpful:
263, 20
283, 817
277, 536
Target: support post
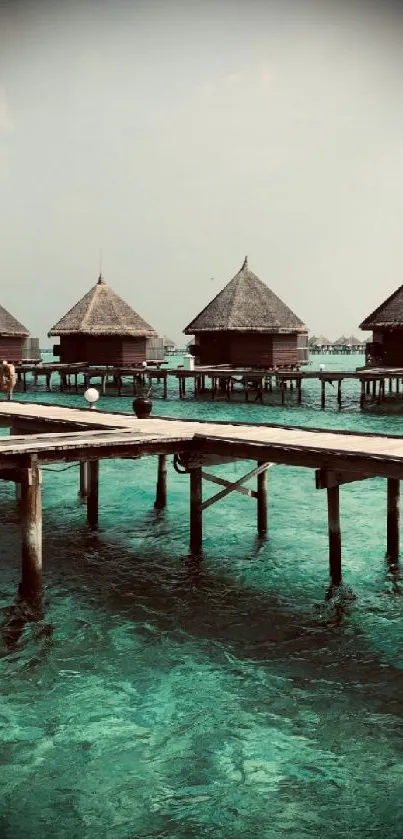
196, 512
92, 497
299, 390
333, 513
323, 394
165, 386
362, 397
339, 393
31, 530
393, 519
262, 501
83, 479
161, 495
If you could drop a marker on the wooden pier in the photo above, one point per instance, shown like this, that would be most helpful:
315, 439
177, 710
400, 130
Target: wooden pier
374, 385
43, 434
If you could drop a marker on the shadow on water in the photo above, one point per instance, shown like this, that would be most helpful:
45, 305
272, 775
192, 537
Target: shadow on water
184, 599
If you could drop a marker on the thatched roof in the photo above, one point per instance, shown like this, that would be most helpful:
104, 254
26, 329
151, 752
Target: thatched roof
246, 305
341, 342
11, 327
320, 341
353, 341
102, 312
388, 314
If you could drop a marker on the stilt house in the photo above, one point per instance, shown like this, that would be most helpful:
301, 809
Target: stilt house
102, 329
386, 324
247, 325
12, 337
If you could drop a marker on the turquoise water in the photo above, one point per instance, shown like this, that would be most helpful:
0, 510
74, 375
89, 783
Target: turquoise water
160, 699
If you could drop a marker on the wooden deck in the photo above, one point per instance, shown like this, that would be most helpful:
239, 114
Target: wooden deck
42, 434
105, 434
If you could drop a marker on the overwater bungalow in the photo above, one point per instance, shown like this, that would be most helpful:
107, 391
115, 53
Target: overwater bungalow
102, 329
320, 344
386, 325
247, 325
12, 337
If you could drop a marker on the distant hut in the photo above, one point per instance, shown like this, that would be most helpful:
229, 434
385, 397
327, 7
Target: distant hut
386, 324
340, 342
12, 337
322, 343
247, 325
169, 345
102, 329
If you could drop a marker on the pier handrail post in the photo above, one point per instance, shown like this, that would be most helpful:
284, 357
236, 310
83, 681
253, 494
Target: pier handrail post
393, 519
196, 511
333, 512
31, 528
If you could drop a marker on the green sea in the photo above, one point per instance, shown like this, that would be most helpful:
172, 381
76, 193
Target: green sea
230, 699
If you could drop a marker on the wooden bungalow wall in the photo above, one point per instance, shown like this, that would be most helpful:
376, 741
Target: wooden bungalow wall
11, 349
102, 350
246, 350
390, 346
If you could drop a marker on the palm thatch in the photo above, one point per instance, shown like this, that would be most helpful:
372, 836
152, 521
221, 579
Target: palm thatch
320, 341
340, 342
11, 327
246, 304
102, 312
388, 314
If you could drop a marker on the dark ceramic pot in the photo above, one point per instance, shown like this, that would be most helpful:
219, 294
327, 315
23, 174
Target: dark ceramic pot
142, 406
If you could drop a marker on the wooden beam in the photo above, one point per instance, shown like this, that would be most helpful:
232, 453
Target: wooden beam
234, 486
393, 520
333, 512
161, 495
196, 512
93, 490
251, 493
327, 478
31, 529
309, 457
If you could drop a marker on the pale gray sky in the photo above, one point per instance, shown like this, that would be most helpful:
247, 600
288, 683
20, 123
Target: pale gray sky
177, 137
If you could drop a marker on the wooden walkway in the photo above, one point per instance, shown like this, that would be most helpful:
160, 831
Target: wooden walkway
376, 455
42, 434
219, 382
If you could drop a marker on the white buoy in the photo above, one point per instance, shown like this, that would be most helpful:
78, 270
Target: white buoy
322, 367
92, 396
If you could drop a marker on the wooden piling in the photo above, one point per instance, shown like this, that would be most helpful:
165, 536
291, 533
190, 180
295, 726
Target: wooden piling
83, 492
393, 519
161, 495
165, 386
262, 502
323, 394
93, 490
299, 391
196, 513
31, 529
362, 397
333, 513
339, 393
